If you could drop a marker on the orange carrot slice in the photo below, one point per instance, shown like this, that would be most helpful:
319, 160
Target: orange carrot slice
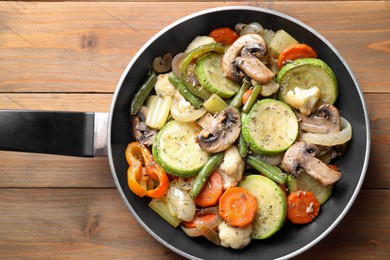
211, 191
296, 51
302, 207
237, 207
224, 35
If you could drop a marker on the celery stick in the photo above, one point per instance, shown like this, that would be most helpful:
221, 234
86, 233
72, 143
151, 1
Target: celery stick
159, 112
161, 208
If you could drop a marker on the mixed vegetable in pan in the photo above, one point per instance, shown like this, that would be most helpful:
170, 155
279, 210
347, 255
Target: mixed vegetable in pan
236, 135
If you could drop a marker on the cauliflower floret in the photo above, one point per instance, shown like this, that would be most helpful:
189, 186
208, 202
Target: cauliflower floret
303, 99
199, 41
163, 87
234, 237
232, 167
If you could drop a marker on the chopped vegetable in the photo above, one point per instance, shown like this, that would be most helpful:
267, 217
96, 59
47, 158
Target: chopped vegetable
202, 217
199, 52
211, 192
331, 139
296, 51
181, 87
215, 104
303, 207
271, 205
161, 208
272, 172
144, 176
158, 112
280, 41
163, 64
238, 207
204, 173
237, 99
251, 99
224, 35
142, 93
246, 96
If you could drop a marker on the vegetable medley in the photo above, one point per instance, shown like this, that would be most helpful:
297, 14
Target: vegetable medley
236, 135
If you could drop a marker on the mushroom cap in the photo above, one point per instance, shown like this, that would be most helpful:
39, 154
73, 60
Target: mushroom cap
220, 132
301, 157
325, 120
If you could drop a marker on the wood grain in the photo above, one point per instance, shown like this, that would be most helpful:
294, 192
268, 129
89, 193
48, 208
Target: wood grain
85, 223
44, 41
70, 55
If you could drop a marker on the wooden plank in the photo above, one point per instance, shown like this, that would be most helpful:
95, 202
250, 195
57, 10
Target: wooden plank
84, 223
44, 41
95, 102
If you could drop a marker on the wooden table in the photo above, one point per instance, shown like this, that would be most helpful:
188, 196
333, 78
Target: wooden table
69, 56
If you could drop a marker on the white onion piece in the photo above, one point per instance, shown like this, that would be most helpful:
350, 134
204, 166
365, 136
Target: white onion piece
182, 110
331, 139
207, 229
180, 203
191, 232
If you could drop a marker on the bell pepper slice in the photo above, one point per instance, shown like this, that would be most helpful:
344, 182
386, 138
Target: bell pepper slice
144, 176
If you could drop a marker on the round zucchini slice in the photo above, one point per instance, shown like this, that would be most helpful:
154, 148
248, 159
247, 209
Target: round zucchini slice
272, 205
306, 73
175, 149
270, 127
209, 72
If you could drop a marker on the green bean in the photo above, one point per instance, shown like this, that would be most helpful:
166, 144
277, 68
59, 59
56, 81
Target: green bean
237, 99
181, 87
242, 146
204, 173
271, 171
252, 98
143, 92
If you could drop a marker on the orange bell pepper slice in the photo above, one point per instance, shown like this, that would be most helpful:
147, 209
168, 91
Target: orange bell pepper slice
144, 176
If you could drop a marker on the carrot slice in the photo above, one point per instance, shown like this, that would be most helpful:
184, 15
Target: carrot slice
211, 191
224, 35
246, 96
296, 51
204, 217
237, 207
303, 207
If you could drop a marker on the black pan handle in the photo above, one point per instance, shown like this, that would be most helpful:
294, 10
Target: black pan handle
51, 132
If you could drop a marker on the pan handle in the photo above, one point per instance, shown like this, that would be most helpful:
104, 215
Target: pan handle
52, 132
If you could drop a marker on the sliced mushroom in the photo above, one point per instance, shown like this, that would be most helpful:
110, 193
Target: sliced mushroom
255, 69
325, 120
255, 49
301, 157
142, 133
219, 132
229, 58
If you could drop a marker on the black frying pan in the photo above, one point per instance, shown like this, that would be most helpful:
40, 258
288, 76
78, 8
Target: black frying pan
78, 134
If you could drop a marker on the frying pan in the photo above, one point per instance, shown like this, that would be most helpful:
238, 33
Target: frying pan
92, 134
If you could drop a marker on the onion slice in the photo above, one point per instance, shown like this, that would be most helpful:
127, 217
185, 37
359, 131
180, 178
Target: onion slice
331, 139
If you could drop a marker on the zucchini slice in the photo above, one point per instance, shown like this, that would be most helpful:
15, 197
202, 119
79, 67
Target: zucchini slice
306, 73
307, 183
270, 127
176, 150
272, 205
209, 72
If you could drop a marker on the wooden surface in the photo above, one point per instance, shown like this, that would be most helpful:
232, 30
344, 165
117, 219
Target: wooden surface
70, 56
